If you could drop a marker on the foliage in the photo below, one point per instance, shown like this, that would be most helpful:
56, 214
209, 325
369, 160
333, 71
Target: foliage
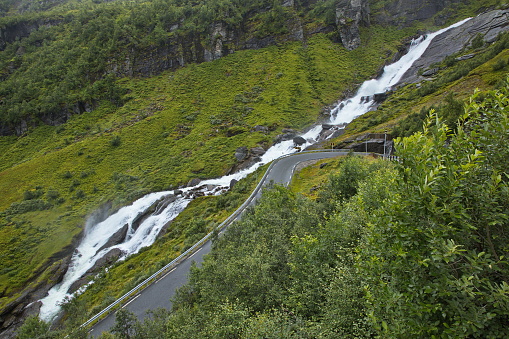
415, 248
436, 259
160, 147
34, 328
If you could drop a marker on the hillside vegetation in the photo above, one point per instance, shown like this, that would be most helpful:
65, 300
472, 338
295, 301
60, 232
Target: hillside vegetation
85, 128
169, 129
412, 248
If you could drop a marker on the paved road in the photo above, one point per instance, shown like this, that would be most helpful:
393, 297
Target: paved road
158, 295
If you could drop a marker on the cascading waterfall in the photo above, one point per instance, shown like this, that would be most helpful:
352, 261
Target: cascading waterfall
92, 247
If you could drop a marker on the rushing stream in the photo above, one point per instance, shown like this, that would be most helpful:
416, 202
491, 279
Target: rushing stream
92, 246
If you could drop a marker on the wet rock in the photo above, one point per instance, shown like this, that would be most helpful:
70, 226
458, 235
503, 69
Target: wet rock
108, 259
299, 141
162, 203
117, 238
241, 153
488, 24
380, 97
177, 192
287, 134
257, 151
193, 182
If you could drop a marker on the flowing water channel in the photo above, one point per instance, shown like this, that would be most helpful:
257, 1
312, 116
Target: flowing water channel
96, 236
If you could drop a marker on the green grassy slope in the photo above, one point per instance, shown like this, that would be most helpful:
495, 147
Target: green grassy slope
174, 127
171, 128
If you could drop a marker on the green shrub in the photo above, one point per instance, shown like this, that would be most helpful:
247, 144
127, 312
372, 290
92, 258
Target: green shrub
115, 141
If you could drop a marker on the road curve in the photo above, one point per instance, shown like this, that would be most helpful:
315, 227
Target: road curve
158, 294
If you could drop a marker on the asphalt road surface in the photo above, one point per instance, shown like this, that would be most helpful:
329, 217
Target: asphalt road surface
158, 294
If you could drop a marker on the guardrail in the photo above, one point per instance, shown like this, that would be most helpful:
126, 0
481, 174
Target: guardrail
190, 250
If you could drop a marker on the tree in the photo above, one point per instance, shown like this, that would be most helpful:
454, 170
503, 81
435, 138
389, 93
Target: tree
34, 328
125, 324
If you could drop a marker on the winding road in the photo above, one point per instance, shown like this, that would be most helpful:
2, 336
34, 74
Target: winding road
159, 293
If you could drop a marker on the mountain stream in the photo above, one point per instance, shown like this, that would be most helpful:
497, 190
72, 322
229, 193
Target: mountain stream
93, 246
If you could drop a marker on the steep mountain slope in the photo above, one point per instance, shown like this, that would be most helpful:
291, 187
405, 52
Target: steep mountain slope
86, 138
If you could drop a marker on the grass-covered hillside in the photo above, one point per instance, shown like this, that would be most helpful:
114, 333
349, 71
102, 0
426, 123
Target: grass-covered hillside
409, 248
90, 129
170, 128
415, 248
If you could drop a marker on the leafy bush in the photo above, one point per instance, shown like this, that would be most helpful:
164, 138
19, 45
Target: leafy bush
28, 206
115, 141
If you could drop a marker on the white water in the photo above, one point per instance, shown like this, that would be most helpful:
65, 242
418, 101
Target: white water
97, 235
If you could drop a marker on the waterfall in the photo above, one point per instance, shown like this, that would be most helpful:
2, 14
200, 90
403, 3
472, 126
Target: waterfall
92, 247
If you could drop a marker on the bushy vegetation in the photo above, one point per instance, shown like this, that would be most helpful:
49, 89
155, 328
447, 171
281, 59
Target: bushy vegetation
137, 135
414, 248
171, 128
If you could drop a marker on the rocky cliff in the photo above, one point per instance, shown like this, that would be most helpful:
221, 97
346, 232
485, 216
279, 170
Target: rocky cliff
199, 38
489, 25
350, 14
405, 12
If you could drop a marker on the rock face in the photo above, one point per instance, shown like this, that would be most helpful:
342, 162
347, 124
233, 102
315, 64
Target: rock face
349, 15
21, 30
246, 158
13, 315
406, 12
488, 24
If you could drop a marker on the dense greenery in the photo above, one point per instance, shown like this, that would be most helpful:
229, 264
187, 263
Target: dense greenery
136, 135
171, 128
415, 248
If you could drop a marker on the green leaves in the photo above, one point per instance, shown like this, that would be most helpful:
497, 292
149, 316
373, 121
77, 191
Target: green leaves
434, 273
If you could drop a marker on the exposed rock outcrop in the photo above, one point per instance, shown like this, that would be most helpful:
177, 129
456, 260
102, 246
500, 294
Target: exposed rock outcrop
349, 15
405, 13
454, 40
22, 29
246, 158
108, 259
117, 237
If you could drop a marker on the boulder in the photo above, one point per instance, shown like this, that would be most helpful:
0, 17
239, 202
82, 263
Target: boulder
430, 72
260, 128
162, 203
299, 141
193, 182
465, 57
241, 153
380, 97
257, 151
117, 238
233, 182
